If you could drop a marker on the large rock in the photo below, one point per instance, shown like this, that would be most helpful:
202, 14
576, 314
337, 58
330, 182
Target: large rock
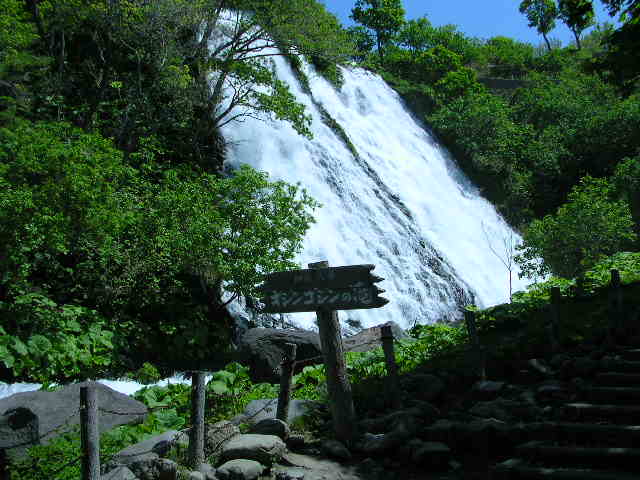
303, 467
262, 350
240, 469
369, 338
120, 473
266, 449
265, 408
218, 434
32, 417
143, 458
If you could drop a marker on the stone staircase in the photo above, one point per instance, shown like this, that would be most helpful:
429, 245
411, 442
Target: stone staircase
597, 438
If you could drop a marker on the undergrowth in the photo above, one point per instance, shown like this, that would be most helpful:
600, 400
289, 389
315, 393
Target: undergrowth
509, 331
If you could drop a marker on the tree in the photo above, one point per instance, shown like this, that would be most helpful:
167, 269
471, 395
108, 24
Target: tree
622, 59
135, 69
508, 57
541, 14
384, 17
506, 254
416, 35
578, 15
94, 254
362, 40
589, 226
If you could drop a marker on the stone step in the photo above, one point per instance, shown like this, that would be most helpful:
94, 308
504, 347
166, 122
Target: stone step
551, 455
619, 414
587, 433
617, 379
622, 366
631, 354
613, 395
517, 469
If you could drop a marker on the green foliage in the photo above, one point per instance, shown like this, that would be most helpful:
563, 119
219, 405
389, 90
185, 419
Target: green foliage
416, 35
44, 461
508, 57
541, 14
310, 383
146, 374
589, 226
86, 237
577, 15
627, 263
432, 340
384, 17
59, 341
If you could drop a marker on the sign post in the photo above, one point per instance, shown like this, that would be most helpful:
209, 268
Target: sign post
323, 289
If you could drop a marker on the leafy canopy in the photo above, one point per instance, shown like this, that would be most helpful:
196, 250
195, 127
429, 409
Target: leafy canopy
588, 227
85, 237
384, 17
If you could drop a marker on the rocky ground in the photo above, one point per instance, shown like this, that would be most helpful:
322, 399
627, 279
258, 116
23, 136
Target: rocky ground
571, 417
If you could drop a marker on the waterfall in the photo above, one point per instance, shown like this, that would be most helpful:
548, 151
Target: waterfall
398, 201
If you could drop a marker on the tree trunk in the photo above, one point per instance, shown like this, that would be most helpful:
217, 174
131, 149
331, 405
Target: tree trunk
544, 35
576, 34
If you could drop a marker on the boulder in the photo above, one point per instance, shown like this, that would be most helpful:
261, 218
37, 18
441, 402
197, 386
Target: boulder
239, 469
315, 469
27, 416
143, 458
262, 349
433, 456
423, 386
208, 471
271, 426
487, 390
266, 449
553, 391
369, 338
218, 434
336, 449
295, 441
120, 473
265, 408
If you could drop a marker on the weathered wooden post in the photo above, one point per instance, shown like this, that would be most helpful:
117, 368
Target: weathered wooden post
324, 290
196, 434
479, 352
554, 319
286, 375
338, 386
393, 383
89, 434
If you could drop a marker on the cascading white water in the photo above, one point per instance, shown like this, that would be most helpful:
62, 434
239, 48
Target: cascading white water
401, 203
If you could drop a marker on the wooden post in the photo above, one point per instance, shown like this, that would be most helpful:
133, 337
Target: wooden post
393, 384
338, 386
470, 320
554, 319
196, 435
89, 434
286, 375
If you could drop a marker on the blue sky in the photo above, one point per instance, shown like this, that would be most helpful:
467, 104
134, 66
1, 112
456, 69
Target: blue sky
476, 18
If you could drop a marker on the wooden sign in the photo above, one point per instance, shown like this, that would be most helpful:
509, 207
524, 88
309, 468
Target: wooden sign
332, 288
